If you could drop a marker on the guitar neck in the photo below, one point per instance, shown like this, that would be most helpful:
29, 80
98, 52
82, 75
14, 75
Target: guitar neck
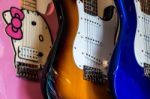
90, 7
145, 6
29, 5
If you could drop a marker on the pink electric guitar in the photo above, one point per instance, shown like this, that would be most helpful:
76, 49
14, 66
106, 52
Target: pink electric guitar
30, 37
25, 42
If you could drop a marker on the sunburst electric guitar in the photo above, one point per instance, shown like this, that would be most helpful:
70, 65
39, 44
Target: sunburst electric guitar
129, 72
81, 53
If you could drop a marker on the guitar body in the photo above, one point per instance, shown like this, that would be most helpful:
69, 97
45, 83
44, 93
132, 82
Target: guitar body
64, 79
70, 83
129, 66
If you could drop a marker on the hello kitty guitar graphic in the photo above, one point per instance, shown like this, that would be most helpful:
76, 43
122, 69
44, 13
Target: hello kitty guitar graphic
31, 40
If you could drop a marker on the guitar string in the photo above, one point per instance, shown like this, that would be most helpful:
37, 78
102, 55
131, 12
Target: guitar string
26, 32
87, 18
86, 6
24, 36
40, 32
84, 63
90, 26
21, 47
145, 32
29, 34
94, 27
94, 31
85, 27
147, 28
90, 32
27, 38
40, 27
143, 11
145, 24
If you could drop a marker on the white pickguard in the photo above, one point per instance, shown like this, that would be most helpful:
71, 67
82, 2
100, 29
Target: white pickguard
94, 42
28, 48
142, 37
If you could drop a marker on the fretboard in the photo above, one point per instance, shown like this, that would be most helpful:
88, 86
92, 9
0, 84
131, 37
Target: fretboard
145, 6
90, 7
29, 5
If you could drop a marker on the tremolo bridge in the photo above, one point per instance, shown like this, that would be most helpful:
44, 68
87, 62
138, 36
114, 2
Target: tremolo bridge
93, 74
27, 70
147, 69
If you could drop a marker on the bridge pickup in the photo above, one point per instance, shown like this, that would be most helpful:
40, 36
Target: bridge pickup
28, 53
93, 74
93, 58
147, 70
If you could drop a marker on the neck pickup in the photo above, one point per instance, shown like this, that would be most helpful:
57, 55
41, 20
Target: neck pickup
90, 7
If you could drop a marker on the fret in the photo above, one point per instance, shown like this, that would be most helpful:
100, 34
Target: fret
90, 7
29, 5
145, 6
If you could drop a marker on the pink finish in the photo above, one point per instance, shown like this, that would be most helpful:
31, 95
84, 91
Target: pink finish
12, 87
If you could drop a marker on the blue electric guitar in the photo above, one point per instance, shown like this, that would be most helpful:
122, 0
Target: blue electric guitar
129, 72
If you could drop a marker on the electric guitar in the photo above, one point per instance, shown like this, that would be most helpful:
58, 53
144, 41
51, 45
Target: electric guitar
129, 72
24, 34
80, 55
30, 36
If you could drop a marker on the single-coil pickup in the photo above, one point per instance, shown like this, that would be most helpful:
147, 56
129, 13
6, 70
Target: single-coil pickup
97, 42
28, 53
90, 22
93, 58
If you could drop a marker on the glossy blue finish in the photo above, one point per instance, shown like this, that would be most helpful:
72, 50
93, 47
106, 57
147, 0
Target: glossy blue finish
127, 80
